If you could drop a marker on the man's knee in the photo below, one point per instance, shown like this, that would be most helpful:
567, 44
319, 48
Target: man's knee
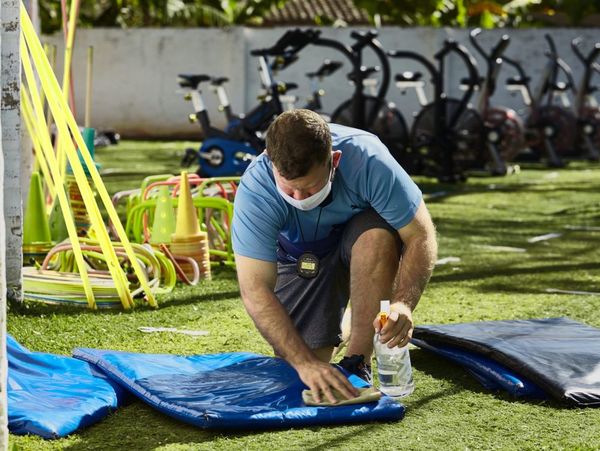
378, 242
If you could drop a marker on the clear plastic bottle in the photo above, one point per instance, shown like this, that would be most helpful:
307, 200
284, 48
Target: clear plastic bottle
393, 365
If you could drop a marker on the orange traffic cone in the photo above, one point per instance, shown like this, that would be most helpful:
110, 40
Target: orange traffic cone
188, 240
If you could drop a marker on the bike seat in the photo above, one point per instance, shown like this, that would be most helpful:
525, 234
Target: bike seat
470, 82
327, 68
364, 37
561, 86
282, 61
517, 81
284, 87
218, 81
191, 81
364, 72
409, 76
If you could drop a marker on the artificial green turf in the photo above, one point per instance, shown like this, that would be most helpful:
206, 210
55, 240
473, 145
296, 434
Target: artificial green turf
448, 409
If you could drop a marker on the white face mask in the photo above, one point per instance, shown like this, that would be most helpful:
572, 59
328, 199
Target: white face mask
310, 202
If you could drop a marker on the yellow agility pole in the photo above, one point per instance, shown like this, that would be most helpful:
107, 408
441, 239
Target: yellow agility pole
31, 129
60, 189
88, 88
59, 107
121, 286
67, 82
71, 28
50, 51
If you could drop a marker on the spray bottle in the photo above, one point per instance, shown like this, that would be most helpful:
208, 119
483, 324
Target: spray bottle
393, 364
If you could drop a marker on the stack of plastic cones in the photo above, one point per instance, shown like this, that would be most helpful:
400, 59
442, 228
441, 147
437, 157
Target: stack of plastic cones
164, 219
82, 220
36, 231
188, 240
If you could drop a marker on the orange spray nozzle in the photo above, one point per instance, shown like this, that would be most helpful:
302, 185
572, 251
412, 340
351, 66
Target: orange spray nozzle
383, 317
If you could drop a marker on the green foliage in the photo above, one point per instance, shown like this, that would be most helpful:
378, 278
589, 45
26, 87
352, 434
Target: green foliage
160, 13
449, 409
484, 13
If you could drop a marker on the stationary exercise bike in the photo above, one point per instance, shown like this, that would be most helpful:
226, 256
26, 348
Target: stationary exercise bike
366, 111
230, 151
447, 135
370, 111
586, 106
504, 135
550, 128
221, 153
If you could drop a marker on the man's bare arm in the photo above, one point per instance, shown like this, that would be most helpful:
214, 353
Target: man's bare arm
418, 259
257, 283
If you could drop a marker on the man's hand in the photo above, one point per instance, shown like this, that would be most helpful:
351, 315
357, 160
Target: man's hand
322, 378
399, 327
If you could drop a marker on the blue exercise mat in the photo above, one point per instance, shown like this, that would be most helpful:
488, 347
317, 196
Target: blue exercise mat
52, 395
230, 391
558, 355
488, 373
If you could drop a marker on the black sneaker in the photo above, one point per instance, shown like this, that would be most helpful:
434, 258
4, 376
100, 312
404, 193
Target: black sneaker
355, 364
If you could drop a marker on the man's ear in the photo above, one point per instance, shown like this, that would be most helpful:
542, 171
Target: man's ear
336, 156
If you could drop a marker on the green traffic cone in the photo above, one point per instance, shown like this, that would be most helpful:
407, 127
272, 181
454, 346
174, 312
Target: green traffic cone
164, 218
35, 223
58, 226
88, 134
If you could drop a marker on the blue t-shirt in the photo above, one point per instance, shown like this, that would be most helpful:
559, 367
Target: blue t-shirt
367, 177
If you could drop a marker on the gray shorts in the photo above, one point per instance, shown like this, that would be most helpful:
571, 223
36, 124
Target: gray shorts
316, 305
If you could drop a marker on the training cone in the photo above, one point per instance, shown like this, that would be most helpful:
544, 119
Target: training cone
164, 219
35, 227
188, 240
37, 240
58, 227
187, 220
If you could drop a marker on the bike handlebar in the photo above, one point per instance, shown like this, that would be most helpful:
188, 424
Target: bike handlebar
496, 52
500, 48
591, 57
363, 38
290, 43
575, 46
472, 37
452, 46
551, 44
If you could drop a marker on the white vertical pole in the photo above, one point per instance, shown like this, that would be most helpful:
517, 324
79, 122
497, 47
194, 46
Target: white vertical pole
3, 361
10, 180
11, 142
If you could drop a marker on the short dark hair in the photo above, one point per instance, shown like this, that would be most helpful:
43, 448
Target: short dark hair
296, 141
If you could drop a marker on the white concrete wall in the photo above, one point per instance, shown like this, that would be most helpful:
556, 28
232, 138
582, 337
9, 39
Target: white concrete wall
135, 70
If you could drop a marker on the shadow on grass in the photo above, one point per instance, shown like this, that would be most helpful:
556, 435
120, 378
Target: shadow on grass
440, 368
32, 308
540, 287
138, 427
341, 440
510, 271
141, 428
